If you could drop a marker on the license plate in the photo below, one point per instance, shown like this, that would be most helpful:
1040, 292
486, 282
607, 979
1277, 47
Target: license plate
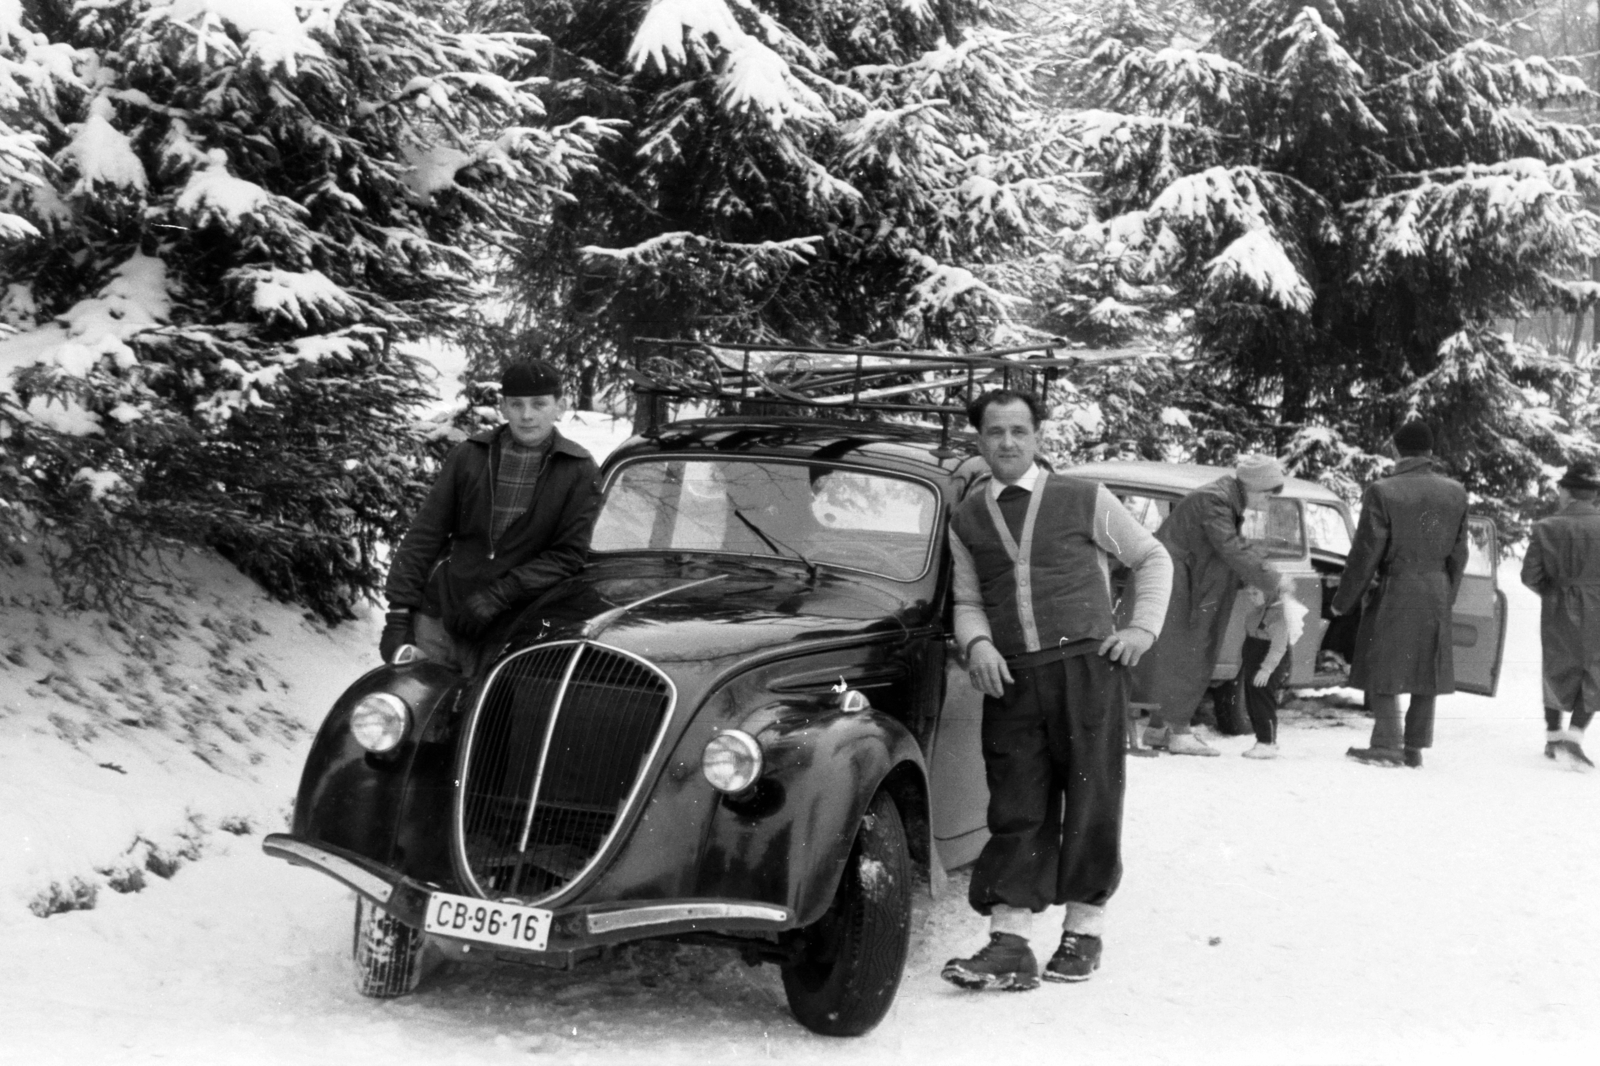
508, 924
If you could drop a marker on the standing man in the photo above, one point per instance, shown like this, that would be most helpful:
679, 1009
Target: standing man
510, 516
1210, 560
1411, 550
1032, 558
1563, 566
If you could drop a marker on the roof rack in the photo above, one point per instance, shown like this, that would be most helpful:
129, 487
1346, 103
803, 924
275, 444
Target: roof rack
845, 382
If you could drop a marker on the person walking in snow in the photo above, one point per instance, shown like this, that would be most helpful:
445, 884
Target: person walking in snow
1407, 559
1562, 565
1270, 630
1032, 554
510, 515
1210, 560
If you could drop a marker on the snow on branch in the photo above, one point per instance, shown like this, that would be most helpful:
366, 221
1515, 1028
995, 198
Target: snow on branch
213, 195
303, 298
133, 301
102, 154
1506, 209
1258, 262
273, 33
752, 76
796, 250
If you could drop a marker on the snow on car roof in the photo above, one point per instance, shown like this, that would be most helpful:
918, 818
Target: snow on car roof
1183, 477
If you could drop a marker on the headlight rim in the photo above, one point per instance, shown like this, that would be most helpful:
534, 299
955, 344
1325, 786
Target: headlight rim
399, 712
748, 746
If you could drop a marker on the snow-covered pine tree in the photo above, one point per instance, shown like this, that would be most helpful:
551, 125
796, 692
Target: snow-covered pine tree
812, 171
219, 220
1347, 196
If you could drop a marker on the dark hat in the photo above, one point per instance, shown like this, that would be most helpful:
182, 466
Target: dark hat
1413, 438
530, 377
1581, 474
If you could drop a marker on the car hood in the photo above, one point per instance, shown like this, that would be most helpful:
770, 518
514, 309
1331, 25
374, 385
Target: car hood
685, 609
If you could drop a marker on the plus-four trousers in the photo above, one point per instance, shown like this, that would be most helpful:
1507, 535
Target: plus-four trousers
1053, 753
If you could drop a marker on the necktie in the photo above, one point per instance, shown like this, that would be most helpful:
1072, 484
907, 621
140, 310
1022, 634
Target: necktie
1012, 492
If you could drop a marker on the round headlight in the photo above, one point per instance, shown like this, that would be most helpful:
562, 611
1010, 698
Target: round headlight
732, 761
379, 721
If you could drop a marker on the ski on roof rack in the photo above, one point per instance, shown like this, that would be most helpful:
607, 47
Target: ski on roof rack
833, 382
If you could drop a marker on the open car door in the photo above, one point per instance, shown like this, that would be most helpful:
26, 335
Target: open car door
1480, 613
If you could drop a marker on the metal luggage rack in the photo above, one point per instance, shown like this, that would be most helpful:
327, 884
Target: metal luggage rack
843, 382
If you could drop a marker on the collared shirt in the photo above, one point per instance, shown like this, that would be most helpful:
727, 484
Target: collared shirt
1026, 482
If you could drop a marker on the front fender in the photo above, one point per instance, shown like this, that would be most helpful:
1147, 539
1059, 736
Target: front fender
787, 841
351, 799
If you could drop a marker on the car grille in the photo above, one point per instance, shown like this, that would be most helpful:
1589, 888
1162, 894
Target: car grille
554, 751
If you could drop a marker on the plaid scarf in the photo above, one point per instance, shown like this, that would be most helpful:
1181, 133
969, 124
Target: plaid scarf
513, 486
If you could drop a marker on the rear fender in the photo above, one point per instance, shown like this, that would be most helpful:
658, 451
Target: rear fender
787, 840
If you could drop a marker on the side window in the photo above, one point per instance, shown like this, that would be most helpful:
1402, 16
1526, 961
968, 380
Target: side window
1277, 527
1481, 553
1149, 511
1326, 525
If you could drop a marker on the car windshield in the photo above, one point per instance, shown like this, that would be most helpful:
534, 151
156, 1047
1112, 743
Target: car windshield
811, 512
1329, 532
1277, 528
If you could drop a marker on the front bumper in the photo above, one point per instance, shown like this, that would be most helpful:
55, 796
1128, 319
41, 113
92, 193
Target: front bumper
572, 928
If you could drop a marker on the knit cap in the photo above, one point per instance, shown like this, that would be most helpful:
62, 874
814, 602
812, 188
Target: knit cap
1259, 473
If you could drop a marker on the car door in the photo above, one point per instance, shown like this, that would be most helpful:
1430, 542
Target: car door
958, 790
1479, 630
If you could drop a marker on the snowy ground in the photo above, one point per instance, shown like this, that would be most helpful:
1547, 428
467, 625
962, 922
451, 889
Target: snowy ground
1307, 911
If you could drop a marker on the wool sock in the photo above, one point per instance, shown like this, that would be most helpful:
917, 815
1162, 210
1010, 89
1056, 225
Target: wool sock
1004, 919
1084, 918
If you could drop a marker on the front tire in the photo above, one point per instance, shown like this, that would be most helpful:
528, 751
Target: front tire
847, 964
387, 952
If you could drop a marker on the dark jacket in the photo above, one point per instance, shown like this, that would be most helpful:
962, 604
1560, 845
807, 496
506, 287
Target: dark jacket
447, 555
1562, 565
1409, 552
1210, 560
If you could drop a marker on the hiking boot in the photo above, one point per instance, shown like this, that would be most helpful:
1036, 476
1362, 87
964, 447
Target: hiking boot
1413, 758
1155, 737
1262, 751
1004, 964
1569, 754
1189, 744
1076, 958
1378, 756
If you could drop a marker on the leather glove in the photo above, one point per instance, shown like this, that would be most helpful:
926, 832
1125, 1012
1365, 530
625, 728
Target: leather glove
398, 631
480, 612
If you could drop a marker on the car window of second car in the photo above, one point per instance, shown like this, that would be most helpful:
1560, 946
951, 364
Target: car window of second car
825, 514
1328, 528
1148, 511
1277, 527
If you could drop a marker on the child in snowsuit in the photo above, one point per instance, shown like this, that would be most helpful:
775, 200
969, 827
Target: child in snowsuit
1562, 565
1269, 630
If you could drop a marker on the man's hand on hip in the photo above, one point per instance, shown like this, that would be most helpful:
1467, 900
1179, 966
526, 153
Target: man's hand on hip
987, 669
1127, 646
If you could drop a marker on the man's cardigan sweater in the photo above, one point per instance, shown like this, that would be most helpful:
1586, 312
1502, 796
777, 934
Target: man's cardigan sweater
1039, 578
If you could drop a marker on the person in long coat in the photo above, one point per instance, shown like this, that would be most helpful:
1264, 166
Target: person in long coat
1210, 562
1562, 565
1407, 559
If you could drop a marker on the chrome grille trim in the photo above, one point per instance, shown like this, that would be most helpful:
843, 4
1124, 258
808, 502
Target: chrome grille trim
569, 668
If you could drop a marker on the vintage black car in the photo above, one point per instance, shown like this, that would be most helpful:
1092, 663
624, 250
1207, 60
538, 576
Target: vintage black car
743, 722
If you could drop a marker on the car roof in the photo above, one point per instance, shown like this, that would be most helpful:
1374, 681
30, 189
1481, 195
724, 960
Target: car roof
1184, 478
908, 447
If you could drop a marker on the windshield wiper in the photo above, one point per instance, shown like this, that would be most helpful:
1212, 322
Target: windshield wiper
777, 546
